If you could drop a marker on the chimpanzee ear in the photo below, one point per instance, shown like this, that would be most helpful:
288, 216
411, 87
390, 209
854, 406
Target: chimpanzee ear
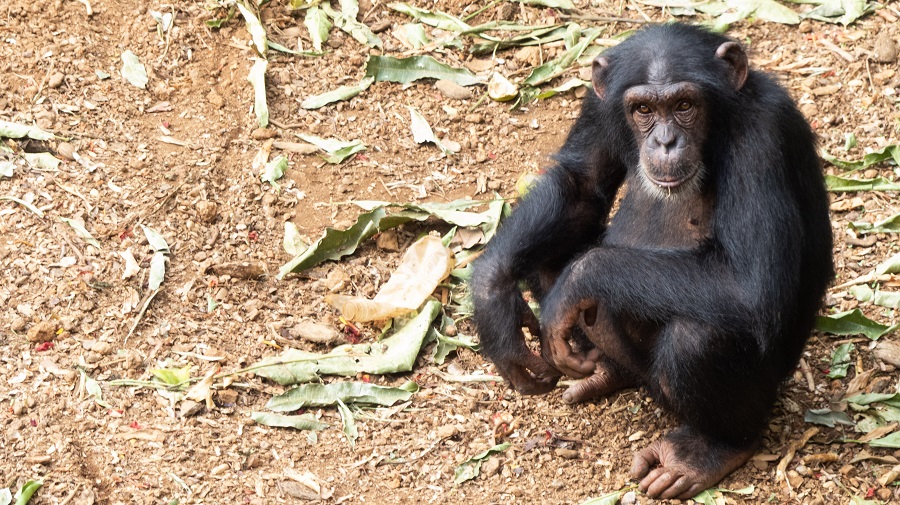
735, 56
599, 69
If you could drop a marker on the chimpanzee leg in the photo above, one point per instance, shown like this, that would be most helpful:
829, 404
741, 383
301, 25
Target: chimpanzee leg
721, 391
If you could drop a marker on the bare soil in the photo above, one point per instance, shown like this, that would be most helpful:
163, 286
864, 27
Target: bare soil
142, 450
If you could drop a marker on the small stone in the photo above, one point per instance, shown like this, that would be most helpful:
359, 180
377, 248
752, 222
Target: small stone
56, 80
226, 398
336, 280
18, 323
629, 498
481, 155
388, 241
870, 173
18, 407
215, 99
507, 11
190, 408
805, 27
263, 134
452, 90
490, 467
380, 26
474, 118
44, 331
885, 48
809, 110
795, 479
567, 453
206, 211
393, 483
530, 55
446, 431
314, 332
66, 150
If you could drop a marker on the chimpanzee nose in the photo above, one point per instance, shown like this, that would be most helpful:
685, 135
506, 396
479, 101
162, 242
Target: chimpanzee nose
666, 137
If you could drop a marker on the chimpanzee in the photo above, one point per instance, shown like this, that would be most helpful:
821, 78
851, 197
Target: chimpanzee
704, 285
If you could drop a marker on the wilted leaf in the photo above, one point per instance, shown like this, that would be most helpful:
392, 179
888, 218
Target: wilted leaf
881, 155
163, 20
38, 212
565, 5
843, 184
556, 67
449, 212
156, 241
349, 423
500, 89
302, 422
6, 168
274, 170
470, 469
394, 354
436, 19
322, 395
852, 323
562, 88
173, 376
891, 441
293, 243
157, 270
536, 36
891, 399
257, 78
318, 24
257, 32
840, 361
827, 417
888, 225
836, 11
81, 231
422, 131
42, 161
92, 388
360, 32
405, 70
607, 499
415, 34
338, 150
342, 93
889, 266
280, 48
133, 70
5, 496
17, 131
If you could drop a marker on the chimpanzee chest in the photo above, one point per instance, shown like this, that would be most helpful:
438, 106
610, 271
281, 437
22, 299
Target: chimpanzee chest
677, 221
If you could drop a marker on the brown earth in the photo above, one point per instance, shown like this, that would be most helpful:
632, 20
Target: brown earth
142, 450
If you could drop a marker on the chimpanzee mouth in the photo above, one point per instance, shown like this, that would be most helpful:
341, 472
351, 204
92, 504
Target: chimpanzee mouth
668, 183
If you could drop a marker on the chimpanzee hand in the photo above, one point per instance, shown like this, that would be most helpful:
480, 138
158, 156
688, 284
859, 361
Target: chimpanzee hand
560, 315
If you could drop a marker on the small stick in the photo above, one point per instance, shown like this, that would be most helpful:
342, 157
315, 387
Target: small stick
795, 446
837, 50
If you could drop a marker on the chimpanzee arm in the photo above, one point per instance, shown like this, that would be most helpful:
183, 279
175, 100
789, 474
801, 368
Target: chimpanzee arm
559, 218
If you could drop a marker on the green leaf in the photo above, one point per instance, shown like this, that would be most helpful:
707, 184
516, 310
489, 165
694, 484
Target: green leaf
319, 25
102, 75
771, 10
133, 70
17, 131
360, 32
81, 231
257, 32
157, 270
302, 422
92, 388
827, 417
323, 395
394, 354
349, 423
891, 441
5, 496
565, 5
274, 170
342, 93
156, 241
257, 78
562, 88
280, 48
537, 36
890, 152
6, 168
892, 399
23, 496
849, 141
173, 376
844, 184
852, 323
38, 212
888, 225
889, 299
556, 67
840, 361
470, 469
422, 131
436, 19
42, 161
406, 70
415, 34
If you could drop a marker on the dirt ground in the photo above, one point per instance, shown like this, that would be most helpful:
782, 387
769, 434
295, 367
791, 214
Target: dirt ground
143, 450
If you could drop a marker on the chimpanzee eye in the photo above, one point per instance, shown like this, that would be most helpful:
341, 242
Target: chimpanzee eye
643, 109
683, 106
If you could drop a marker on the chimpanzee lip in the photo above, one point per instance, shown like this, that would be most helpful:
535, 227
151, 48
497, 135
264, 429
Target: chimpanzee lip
667, 183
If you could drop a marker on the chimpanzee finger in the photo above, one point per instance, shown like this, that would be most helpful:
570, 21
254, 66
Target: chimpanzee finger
558, 353
527, 383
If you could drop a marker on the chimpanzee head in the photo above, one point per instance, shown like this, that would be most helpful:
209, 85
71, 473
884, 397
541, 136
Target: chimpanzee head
668, 96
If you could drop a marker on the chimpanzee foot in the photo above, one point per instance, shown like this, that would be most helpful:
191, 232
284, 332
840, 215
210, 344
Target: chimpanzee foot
604, 381
683, 463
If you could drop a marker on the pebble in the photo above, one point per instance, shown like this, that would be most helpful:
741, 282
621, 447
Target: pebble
18, 323
314, 332
190, 408
629, 498
56, 80
263, 134
206, 211
215, 99
885, 48
452, 90
447, 431
388, 241
44, 331
567, 453
530, 55
490, 467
